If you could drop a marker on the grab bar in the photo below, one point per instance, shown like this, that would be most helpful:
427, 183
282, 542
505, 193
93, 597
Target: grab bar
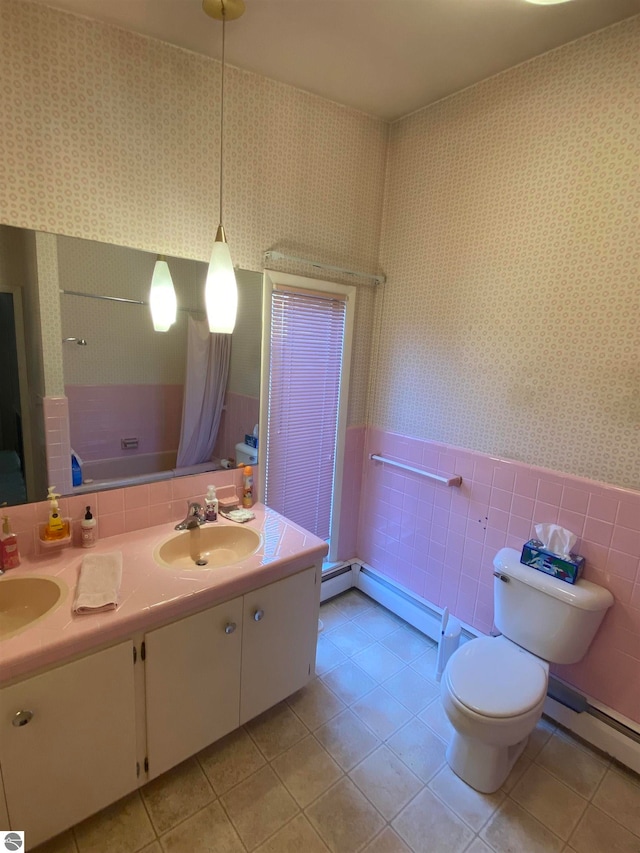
448, 481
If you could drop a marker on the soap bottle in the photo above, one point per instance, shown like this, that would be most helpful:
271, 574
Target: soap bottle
9, 554
57, 527
211, 504
247, 487
88, 530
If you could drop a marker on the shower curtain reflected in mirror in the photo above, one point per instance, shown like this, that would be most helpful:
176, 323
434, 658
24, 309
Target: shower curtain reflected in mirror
204, 388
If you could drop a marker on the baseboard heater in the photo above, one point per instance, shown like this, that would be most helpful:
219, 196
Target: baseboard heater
428, 619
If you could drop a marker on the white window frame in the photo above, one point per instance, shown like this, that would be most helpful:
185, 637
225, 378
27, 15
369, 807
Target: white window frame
270, 280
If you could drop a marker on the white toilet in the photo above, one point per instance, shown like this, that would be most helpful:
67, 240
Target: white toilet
493, 688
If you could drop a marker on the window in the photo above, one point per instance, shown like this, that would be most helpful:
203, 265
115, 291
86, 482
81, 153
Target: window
308, 333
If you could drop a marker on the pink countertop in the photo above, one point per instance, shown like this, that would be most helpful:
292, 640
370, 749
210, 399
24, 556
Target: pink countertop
150, 594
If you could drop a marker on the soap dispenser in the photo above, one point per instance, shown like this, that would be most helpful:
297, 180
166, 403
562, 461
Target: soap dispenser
211, 504
88, 536
56, 527
9, 554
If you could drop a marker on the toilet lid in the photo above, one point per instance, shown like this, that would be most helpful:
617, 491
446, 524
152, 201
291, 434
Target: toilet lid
496, 679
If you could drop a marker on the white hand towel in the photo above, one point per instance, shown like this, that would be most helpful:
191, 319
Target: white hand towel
98, 583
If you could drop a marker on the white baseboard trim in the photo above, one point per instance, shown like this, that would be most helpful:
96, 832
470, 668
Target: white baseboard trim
426, 617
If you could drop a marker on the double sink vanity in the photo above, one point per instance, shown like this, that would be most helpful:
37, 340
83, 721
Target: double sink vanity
93, 706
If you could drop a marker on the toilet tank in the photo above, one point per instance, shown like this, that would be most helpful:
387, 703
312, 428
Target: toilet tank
554, 620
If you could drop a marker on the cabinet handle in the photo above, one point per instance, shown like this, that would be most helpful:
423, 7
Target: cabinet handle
230, 627
257, 616
21, 718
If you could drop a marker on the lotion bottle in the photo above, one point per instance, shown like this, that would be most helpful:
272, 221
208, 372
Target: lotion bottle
211, 504
88, 530
9, 554
247, 487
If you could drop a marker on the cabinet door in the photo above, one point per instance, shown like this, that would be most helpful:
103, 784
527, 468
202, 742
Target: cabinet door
68, 744
4, 814
192, 676
280, 629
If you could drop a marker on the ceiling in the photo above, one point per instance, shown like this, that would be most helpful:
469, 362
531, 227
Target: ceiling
386, 58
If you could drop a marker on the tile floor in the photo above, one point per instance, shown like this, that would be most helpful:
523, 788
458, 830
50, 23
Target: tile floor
356, 762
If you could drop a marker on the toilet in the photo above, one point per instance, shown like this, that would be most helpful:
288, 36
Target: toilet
493, 688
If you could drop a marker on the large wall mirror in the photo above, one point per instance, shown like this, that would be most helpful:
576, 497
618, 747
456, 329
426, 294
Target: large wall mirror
124, 382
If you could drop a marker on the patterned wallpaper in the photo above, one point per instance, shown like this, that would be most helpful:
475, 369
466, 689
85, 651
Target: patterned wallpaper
111, 136
511, 318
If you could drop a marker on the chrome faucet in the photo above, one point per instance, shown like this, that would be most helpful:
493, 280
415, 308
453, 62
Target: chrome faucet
196, 514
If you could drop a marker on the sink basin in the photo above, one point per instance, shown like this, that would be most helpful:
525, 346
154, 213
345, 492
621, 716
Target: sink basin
207, 547
23, 600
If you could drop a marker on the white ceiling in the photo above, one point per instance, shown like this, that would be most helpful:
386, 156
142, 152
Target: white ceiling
384, 57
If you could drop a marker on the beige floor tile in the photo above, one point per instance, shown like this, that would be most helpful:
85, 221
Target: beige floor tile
387, 842
315, 704
472, 806
406, 643
349, 638
328, 656
348, 682
331, 617
478, 846
208, 831
410, 688
307, 770
572, 764
386, 781
296, 836
435, 717
428, 826
598, 833
378, 622
63, 843
539, 737
554, 804
421, 750
176, 795
121, 828
276, 730
378, 662
426, 665
517, 771
344, 818
381, 712
513, 829
619, 797
347, 739
276, 807
230, 760
353, 602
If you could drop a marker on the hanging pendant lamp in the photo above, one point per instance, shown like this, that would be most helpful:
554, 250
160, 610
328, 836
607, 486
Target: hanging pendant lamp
162, 296
221, 290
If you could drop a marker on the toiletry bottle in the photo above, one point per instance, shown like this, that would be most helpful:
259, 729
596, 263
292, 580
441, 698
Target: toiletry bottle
211, 504
9, 554
57, 527
88, 530
247, 487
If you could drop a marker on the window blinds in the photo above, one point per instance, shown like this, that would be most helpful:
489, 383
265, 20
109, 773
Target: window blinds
307, 337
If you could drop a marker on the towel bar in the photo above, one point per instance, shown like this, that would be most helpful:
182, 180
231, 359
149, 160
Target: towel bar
448, 481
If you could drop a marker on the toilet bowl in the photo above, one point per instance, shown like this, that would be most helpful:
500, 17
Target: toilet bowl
493, 693
493, 688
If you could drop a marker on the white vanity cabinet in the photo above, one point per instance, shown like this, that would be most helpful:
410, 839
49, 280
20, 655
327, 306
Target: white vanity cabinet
207, 674
192, 684
68, 742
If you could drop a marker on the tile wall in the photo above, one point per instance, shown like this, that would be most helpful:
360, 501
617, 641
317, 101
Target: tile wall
439, 543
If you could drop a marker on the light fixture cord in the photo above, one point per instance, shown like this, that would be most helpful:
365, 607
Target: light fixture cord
222, 108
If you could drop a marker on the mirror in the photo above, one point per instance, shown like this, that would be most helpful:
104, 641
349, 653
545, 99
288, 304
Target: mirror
81, 332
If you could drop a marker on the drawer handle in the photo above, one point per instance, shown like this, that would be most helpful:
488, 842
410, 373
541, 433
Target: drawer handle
21, 718
257, 616
230, 627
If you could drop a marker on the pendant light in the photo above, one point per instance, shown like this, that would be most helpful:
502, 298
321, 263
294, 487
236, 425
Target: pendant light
162, 296
221, 291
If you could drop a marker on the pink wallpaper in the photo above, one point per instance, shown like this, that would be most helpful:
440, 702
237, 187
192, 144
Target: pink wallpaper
439, 542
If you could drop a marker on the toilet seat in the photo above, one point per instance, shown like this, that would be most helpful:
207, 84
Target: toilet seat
495, 679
